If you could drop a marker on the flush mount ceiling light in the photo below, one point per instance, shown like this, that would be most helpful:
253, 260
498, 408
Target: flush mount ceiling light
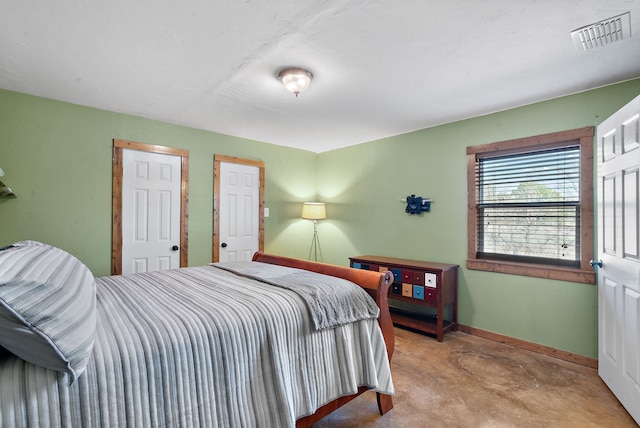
295, 79
602, 33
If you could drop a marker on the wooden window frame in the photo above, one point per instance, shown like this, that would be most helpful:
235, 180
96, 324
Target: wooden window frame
582, 137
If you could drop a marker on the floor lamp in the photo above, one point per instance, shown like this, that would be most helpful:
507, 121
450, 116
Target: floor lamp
314, 211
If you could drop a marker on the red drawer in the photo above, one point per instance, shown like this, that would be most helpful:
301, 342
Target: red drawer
407, 276
430, 294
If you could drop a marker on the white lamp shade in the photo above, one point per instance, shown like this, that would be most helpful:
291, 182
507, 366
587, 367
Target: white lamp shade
314, 211
295, 80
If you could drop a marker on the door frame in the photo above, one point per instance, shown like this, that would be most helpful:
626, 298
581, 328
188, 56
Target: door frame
217, 158
116, 198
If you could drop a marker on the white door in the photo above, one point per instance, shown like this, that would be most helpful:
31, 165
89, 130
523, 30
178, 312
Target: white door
239, 211
151, 211
619, 248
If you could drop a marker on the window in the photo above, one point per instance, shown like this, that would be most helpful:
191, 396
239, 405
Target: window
531, 206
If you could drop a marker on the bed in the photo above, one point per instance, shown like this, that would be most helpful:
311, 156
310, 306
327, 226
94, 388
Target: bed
229, 344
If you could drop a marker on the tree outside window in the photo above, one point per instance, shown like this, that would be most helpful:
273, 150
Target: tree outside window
531, 206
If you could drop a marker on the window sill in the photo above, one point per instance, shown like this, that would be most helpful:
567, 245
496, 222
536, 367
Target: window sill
537, 271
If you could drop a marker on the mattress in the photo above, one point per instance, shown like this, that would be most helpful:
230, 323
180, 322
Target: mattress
198, 346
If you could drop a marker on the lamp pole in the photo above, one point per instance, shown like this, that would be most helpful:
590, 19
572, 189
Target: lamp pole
315, 243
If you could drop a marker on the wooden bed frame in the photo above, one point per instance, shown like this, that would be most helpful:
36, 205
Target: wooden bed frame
377, 285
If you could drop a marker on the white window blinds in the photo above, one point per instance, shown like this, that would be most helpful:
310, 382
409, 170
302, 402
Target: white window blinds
529, 206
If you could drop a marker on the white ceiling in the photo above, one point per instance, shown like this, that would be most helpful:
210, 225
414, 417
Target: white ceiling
381, 68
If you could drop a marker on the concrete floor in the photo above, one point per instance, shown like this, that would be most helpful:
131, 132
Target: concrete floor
468, 381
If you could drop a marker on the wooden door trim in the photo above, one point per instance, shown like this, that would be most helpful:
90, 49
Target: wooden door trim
217, 158
116, 199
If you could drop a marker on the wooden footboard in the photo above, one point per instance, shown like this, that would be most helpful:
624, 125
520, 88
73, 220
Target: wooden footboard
377, 285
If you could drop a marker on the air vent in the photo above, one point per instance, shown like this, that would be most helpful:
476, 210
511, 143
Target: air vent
602, 33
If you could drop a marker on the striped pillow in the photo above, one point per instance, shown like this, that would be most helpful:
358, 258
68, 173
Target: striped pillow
47, 307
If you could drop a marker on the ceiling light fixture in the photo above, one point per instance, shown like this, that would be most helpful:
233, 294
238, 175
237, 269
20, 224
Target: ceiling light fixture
295, 79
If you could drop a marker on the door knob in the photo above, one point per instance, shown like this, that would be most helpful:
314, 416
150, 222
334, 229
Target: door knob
223, 245
175, 248
596, 263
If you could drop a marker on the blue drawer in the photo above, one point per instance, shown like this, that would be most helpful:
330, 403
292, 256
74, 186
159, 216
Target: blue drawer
397, 275
418, 292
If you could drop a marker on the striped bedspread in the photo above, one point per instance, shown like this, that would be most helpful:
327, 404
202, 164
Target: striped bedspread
196, 347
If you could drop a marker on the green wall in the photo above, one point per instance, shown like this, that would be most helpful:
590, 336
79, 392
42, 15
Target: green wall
363, 186
57, 159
